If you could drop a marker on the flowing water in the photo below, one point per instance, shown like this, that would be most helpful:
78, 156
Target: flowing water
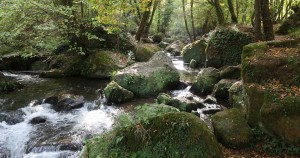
62, 134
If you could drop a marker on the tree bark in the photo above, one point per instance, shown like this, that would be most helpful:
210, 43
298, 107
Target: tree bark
231, 10
149, 22
193, 23
257, 23
185, 20
143, 22
219, 11
267, 20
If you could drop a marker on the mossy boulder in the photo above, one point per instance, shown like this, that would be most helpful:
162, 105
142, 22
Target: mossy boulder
38, 66
164, 98
220, 90
232, 129
236, 97
175, 47
231, 72
195, 51
157, 38
144, 51
16, 62
206, 79
172, 135
149, 78
280, 115
117, 94
225, 47
103, 64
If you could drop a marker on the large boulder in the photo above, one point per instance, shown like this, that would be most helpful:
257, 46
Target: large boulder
144, 51
271, 77
15, 61
225, 47
117, 94
172, 135
149, 78
232, 129
221, 89
157, 38
206, 79
102, 64
195, 51
175, 47
291, 23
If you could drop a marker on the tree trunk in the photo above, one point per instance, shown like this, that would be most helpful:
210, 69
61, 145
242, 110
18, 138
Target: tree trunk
231, 10
267, 20
192, 18
185, 20
257, 23
219, 11
147, 28
143, 22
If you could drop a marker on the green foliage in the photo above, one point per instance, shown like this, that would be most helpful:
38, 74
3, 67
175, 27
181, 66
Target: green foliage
273, 145
6, 86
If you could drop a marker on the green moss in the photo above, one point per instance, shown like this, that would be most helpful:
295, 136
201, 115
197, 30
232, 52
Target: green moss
196, 51
143, 52
232, 129
173, 135
117, 94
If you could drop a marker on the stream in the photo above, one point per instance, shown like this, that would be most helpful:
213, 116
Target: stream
62, 134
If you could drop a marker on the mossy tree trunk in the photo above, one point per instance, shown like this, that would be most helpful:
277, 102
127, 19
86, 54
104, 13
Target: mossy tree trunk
257, 23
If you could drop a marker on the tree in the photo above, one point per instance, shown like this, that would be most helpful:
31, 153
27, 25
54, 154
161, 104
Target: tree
232, 13
262, 13
185, 20
218, 9
192, 19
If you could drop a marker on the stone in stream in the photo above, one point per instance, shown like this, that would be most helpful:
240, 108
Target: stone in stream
149, 78
144, 51
210, 100
175, 48
206, 79
65, 102
231, 72
195, 52
38, 120
117, 94
220, 91
13, 117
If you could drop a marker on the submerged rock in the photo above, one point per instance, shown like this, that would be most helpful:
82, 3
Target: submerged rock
117, 94
232, 129
149, 78
172, 135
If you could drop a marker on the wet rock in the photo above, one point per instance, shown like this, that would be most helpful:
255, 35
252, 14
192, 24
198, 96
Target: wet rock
117, 94
195, 51
210, 100
175, 48
38, 66
53, 73
231, 72
4, 153
144, 51
232, 129
221, 89
193, 64
206, 79
15, 61
163, 44
149, 78
211, 109
12, 118
65, 102
38, 120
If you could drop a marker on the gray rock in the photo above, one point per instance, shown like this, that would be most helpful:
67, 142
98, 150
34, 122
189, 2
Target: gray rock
221, 89
206, 79
175, 47
117, 94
